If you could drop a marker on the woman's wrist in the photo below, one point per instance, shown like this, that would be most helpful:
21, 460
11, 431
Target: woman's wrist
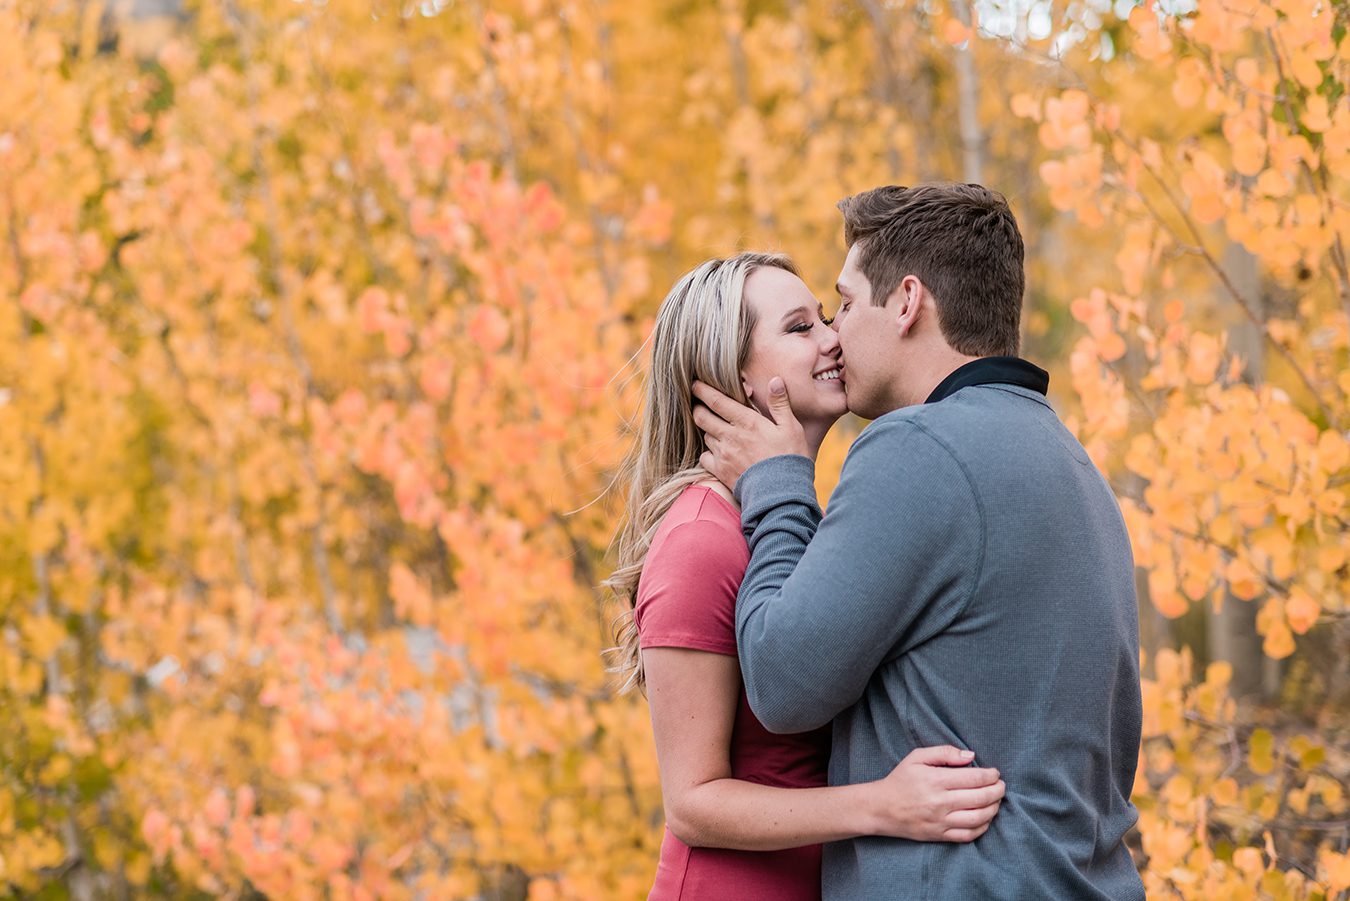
865, 808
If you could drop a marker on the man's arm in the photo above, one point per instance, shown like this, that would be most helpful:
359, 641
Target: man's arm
894, 561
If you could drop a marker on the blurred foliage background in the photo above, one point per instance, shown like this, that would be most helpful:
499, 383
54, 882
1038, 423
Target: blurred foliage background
319, 334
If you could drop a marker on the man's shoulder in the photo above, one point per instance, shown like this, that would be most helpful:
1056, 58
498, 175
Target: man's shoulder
910, 439
972, 409
924, 423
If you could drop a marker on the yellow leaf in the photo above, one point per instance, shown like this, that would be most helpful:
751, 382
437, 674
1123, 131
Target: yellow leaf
1249, 861
1333, 452
1188, 86
1310, 755
1260, 752
1305, 69
1224, 792
1203, 362
1024, 106
1279, 642
1273, 183
1249, 153
1316, 114
44, 635
1243, 581
1337, 869
1163, 592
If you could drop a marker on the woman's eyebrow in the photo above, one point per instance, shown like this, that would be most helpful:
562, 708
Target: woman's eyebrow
796, 312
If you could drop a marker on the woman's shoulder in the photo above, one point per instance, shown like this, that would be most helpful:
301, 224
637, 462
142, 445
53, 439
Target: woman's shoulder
687, 593
699, 510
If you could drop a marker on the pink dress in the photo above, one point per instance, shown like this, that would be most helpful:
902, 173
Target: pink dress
687, 599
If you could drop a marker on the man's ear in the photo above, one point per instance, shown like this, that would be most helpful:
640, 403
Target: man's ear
909, 294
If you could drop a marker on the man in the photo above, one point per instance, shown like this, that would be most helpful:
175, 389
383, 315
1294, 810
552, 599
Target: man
972, 583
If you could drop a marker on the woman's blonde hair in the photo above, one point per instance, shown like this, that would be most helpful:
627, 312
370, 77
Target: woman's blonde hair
702, 332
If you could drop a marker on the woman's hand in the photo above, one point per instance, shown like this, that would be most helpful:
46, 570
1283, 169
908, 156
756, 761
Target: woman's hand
934, 796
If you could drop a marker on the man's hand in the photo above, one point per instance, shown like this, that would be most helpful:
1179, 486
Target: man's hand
738, 437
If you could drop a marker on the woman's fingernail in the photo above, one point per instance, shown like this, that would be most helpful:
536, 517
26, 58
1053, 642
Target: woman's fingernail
967, 755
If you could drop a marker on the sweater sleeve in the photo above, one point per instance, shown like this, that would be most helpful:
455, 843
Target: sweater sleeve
687, 596
825, 602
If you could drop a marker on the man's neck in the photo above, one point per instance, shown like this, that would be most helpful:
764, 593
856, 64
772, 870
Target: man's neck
929, 373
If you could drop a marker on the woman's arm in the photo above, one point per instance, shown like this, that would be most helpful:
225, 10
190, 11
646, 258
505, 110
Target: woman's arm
931, 796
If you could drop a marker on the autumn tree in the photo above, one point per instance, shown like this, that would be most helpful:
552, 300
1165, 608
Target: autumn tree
319, 339
1213, 385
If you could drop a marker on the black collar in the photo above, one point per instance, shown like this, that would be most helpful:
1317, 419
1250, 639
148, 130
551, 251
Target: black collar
992, 370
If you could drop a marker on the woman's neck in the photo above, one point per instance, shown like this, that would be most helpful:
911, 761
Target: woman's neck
815, 433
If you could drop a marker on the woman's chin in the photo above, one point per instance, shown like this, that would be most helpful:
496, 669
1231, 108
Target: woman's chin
836, 406
822, 418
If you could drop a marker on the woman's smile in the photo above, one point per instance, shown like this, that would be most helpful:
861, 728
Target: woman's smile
833, 374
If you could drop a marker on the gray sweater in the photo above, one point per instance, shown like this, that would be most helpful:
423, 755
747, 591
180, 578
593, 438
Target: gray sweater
971, 584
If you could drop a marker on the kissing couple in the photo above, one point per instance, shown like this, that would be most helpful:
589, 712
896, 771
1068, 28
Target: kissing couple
931, 690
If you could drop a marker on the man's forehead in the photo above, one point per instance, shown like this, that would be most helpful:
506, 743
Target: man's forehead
849, 274
849, 278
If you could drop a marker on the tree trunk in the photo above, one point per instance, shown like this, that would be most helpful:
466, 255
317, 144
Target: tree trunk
968, 102
1231, 631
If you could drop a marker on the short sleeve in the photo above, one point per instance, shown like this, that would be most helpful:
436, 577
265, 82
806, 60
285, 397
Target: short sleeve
687, 595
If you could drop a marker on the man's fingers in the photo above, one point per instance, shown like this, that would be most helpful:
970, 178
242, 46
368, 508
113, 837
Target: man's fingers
706, 461
709, 422
719, 403
780, 406
968, 777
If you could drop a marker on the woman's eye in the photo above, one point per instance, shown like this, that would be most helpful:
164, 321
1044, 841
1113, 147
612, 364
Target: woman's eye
801, 327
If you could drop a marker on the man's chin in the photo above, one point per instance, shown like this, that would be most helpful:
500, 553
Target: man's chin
859, 406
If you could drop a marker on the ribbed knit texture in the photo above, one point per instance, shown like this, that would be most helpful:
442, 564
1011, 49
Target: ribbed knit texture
972, 584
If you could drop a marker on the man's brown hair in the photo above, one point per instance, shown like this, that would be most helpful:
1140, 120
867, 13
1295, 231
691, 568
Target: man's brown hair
961, 241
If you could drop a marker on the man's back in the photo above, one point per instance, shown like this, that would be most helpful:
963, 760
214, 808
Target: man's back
999, 615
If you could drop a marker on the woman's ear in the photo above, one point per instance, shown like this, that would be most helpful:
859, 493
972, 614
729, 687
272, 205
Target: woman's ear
745, 384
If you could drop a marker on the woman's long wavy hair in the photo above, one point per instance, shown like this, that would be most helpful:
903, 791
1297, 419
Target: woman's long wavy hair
702, 332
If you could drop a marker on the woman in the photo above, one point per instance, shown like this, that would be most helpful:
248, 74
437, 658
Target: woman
746, 810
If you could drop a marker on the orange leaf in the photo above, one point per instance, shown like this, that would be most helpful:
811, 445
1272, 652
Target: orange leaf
1203, 362
1249, 153
954, 31
1305, 69
1302, 610
489, 328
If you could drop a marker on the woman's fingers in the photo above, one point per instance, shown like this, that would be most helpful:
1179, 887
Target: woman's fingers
964, 835
971, 819
967, 777
940, 755
975, 798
